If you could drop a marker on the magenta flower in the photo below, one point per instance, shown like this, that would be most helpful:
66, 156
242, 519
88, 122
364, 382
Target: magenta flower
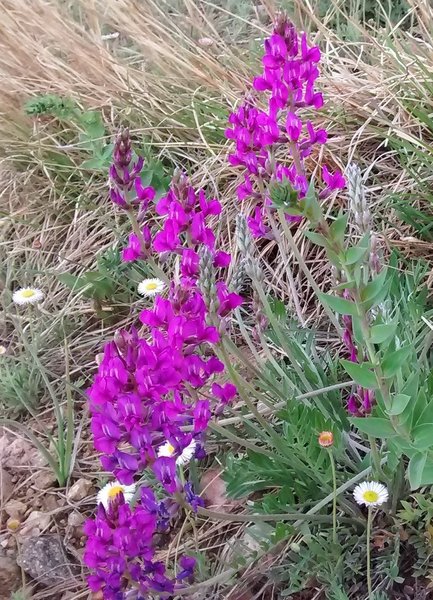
187, 564
167, 239
144, 194
164, 468
124, 172
120, 549
228, 301
293, 126
225, 392
202, 415
333, 182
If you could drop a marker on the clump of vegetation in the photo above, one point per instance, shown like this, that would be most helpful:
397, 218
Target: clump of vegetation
259, 372
20, 384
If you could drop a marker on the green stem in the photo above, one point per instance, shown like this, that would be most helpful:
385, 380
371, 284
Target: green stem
334, 500
306, 270
282, 340
259, 518
373, 358
375, 456
369, 523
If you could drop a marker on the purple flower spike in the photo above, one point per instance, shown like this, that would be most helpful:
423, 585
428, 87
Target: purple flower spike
287, 83
145, 391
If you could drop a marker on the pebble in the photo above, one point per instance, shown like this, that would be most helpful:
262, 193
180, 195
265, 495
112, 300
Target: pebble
79, 490
36, 522
15, 509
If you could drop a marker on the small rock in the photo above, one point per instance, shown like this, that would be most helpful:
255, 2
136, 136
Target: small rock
6, 485
10, 579
75, 519
15, 509
16, 453
205, 42
19, 453
79, 490
50, 502
44, 480
44, 559
36, 521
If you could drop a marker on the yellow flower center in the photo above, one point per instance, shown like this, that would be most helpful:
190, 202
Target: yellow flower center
28, 293
170, 448
115, 491
370, 496
151, 286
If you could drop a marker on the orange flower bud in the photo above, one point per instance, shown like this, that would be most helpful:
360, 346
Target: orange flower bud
326, 439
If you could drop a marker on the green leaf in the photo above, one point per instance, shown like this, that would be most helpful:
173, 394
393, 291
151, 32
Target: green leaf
312, 209
357, 330
354, 254
72, 281
398, 404
93, 125
415, 469
375, 426
427, 414
340, 305
278, 308
362, 374
375, 286
427, 474
381, 333
393, 361
96, 163
346, 285
423, 436
337, 230
316, 238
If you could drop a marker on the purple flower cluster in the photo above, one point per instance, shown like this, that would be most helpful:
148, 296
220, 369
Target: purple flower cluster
152, 387
148, 388
121, 553
288, 80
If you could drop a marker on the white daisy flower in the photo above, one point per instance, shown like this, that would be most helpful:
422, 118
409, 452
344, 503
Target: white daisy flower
28, 296
109, 492
370, 493
150, 287
168, 450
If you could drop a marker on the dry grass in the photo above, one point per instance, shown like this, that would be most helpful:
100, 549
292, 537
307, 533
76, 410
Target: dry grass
171, 70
